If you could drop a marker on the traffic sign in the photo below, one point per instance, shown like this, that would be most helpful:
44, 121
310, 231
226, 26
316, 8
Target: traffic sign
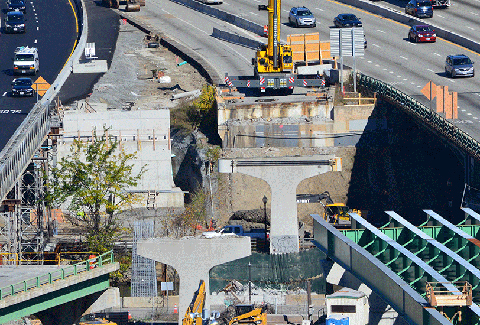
41, 86
430, 90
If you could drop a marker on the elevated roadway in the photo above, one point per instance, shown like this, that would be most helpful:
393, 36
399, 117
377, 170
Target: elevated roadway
49, 291
51, 27
415, 255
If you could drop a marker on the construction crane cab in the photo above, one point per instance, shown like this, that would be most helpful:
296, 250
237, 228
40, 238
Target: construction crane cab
248, 314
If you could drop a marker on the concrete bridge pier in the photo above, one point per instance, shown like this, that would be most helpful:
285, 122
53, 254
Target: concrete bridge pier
283, 174
68, 313
193, 258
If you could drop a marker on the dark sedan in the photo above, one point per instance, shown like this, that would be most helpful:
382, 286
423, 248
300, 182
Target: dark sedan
22, 87
347, 20
422, 33
16, 5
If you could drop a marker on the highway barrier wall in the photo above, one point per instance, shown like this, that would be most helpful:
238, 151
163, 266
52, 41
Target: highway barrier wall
222, 15
236, 39
16, 155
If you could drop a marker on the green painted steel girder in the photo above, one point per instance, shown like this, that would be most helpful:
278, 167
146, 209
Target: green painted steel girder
54, 298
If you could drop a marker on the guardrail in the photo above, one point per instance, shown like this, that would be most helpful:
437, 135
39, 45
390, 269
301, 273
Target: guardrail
16, 155
429, 117
60, 274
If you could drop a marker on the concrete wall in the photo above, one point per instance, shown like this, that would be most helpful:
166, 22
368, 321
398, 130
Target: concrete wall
144, 132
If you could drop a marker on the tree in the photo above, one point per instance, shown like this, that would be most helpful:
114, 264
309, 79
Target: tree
93, 179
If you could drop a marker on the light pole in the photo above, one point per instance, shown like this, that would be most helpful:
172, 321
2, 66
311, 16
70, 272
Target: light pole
264, 200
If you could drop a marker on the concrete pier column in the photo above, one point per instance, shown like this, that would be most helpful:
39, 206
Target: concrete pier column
193, 258
283, 174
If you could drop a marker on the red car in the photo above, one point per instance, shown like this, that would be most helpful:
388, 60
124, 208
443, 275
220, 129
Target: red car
422, 33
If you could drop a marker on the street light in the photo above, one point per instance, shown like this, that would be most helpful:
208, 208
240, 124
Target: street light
264, 200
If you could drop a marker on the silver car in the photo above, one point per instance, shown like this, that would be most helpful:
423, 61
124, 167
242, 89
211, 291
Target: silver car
459, 65
301, 16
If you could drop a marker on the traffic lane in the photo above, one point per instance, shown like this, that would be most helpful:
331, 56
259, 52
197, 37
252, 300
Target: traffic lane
103, 27
9, 42
52, 42
57, 32
194, 30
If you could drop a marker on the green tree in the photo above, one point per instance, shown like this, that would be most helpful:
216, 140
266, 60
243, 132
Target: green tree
93, 180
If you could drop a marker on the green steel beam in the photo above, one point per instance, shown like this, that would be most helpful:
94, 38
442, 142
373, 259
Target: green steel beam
54, 298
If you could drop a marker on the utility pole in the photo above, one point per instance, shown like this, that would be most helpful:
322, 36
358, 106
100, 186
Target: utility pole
309, 302
249, 283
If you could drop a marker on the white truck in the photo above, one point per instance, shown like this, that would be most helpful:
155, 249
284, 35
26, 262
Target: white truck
26, 60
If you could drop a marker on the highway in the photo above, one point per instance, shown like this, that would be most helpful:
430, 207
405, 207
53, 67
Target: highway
390, 56
50, 27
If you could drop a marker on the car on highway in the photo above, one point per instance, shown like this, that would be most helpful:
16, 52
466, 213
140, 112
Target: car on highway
347, 20
22, 87
301, 16
16, 5
459, 65
422, 33
419, 8
14, 22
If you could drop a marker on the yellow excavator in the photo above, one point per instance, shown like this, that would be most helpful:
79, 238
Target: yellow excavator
248, 314
338, 214
195, 311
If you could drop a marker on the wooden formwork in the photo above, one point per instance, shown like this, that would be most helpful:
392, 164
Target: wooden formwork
325, 50
297, 43
312, 47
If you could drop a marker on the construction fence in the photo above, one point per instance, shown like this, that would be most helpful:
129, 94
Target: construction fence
277, 272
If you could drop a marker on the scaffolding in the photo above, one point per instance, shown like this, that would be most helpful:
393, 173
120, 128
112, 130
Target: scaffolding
144, 275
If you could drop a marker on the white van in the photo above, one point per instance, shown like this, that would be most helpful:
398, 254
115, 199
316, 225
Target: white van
26, 60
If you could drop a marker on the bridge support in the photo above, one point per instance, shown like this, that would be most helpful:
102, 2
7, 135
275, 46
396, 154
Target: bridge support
283, 174
193, 258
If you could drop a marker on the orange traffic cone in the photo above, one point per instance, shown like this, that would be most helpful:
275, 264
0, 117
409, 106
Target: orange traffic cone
175, 310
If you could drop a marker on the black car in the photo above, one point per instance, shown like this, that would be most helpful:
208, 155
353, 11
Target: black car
22, 87
419, 8
347, 20
16, 5
14, 22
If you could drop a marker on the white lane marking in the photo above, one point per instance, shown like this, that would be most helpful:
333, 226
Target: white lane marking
439, 16
38, 28
475, 118
391, 71
253, 13
319, 9
369, 61
377, 65
376, 45
404, 58
405, 79
474, 13
470, 28
381, 31
399, 76
412, 83
5, 94
35, 42
451, 80
436, 54
419, 86
430, 70
469, 114
384, 69
463, 110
